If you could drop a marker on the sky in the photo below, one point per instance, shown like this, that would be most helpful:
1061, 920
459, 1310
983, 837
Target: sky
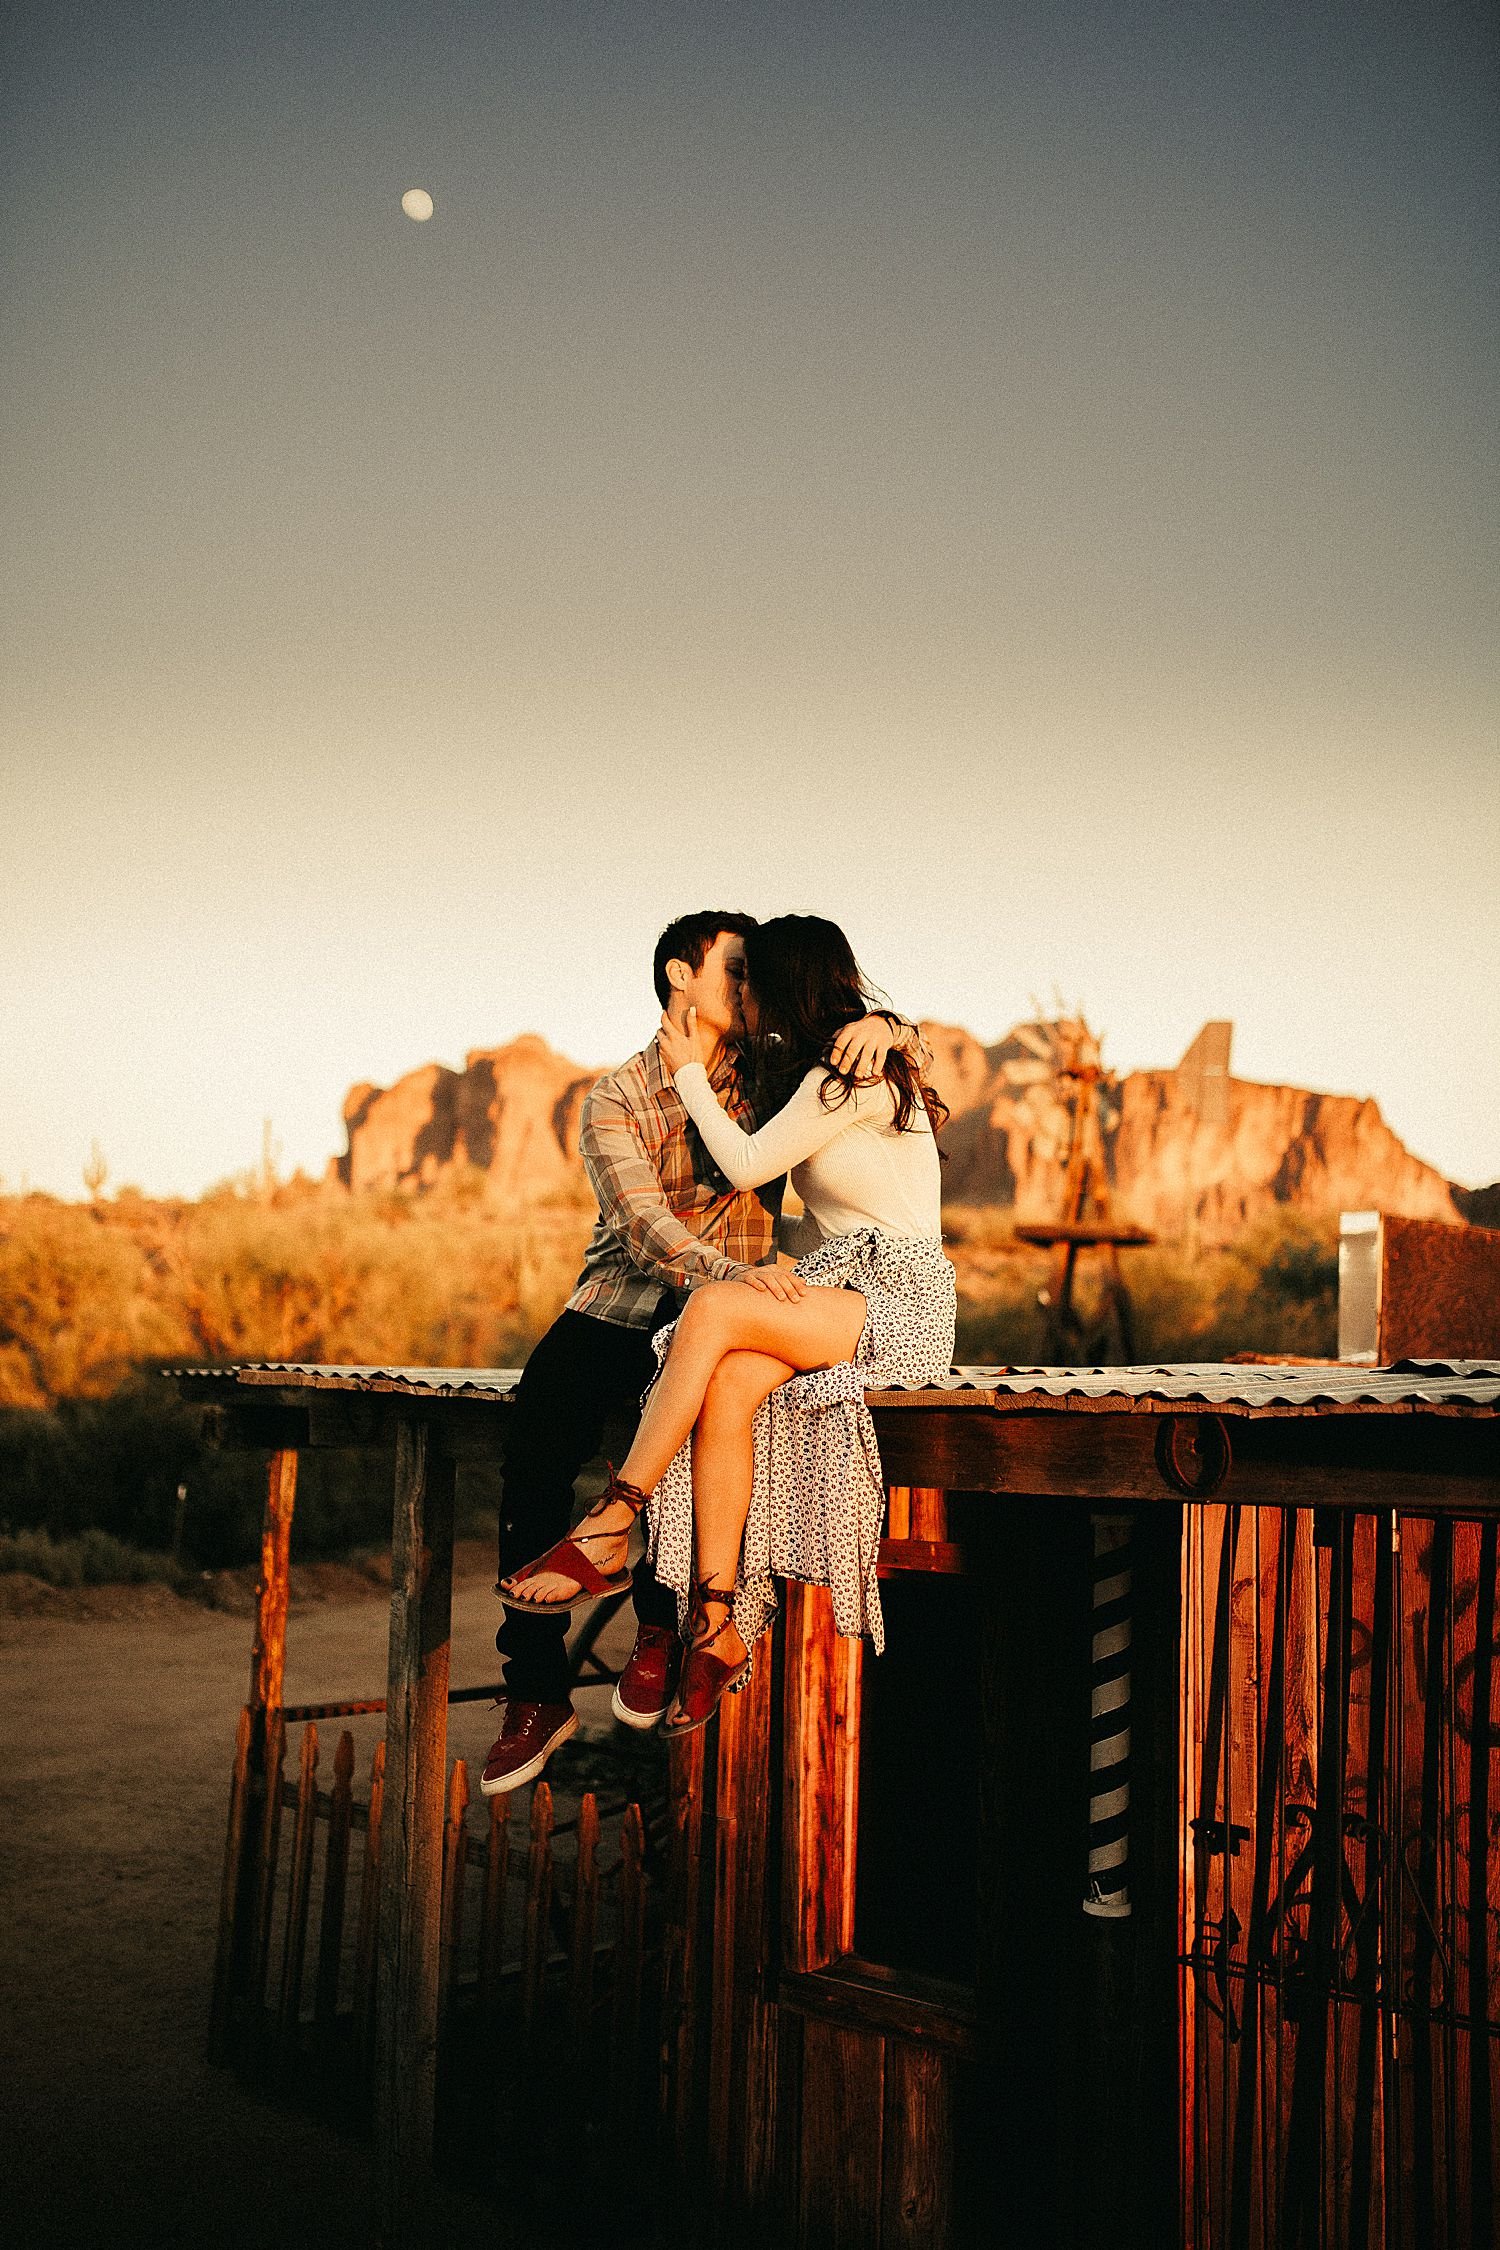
1021, 481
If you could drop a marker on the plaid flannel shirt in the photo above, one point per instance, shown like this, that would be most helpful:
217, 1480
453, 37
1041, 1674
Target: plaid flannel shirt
668, 1218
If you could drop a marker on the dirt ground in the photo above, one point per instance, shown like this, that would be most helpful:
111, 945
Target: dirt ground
119, 1709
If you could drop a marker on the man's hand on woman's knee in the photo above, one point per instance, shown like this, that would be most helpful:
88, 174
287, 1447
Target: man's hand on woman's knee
776, 1281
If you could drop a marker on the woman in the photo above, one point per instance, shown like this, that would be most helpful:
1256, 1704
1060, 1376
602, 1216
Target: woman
756, 1455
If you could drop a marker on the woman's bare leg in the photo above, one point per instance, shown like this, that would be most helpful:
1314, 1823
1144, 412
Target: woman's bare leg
723, 1478
820, 1329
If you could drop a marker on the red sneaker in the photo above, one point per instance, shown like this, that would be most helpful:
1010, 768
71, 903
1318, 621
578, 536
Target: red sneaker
529, 1733
644, 1688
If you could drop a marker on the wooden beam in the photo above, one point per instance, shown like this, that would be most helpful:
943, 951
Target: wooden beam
411, 1865
1425, 1463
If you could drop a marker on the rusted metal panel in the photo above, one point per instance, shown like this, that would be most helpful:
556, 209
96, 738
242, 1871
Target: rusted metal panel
1431, 1384
1439, 1290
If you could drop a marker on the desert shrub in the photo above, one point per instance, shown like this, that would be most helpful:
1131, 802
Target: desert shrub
1273, 1291
112, 1467
77, 1311
94, 1558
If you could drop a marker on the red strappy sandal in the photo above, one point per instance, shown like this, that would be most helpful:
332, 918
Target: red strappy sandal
568, 1559
706, 1679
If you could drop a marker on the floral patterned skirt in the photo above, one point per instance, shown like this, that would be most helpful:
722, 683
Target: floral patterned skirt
818, 1495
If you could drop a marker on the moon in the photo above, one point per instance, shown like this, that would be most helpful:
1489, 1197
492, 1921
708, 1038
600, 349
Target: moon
417, 203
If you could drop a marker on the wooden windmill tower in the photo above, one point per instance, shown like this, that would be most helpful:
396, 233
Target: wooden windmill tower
1085, 1221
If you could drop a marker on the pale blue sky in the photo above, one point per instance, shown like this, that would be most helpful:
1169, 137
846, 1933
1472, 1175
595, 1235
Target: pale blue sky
1020, 481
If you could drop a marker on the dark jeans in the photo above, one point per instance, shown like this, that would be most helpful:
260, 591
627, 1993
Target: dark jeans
582, 1372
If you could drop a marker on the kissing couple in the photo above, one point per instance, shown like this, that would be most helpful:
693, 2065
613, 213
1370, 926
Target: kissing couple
754, 1455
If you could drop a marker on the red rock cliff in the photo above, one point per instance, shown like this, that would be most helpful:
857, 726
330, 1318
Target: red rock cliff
1177, 1160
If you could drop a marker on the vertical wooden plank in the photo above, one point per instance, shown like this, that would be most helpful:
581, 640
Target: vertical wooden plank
741, 2079
294, 1950
1192, 1866
455, 1862
255, 1811
231, 1895
585, 1925
537, 1939
898, 1511
1482, 1854
917, 2183
272, 1592
929, 1512
335, 1889
681, 1948
630, 1950
1426, 1551
266, 1859
366, 1928
1210, 1931
1355, 2091
492, 1913
821, 1782
843, 2121
1245, 1881
411, 1871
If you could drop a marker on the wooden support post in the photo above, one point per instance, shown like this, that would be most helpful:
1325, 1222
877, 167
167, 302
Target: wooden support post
268, 1649
411, 1861
239, 1920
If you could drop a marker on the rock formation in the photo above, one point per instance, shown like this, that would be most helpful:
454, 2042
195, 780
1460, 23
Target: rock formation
1191, 1150
511, 1113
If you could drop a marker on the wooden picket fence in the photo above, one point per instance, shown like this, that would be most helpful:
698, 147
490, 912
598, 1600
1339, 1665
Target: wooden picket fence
544, 1946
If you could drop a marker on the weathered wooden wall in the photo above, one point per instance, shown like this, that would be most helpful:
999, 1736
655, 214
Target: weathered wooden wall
1340, 2010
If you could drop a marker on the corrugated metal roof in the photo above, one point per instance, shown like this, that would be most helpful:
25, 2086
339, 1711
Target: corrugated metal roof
1445, 1386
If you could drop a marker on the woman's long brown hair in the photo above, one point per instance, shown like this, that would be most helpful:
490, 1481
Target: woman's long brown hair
807, 986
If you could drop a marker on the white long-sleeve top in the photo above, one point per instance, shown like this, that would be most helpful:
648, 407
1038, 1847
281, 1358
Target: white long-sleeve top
848, 1164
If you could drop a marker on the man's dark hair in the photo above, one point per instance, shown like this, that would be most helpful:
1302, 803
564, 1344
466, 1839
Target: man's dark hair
689, 939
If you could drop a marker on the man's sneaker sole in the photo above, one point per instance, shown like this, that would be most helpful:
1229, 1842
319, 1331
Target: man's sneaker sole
642, 1721
504, 1783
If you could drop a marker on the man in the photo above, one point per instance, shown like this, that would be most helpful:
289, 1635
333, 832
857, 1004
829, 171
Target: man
668, 1221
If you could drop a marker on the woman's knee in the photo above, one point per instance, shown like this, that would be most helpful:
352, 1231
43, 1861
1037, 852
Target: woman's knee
710, 1311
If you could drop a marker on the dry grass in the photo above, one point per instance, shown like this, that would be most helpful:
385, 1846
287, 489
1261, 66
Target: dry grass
90, 1293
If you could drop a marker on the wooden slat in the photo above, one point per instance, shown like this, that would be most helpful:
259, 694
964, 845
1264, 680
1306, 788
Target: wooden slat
585, 1926
492, 1912
929, 1513
367, 1927
455, 1861
1426, 1551
266, 1858
630, 1950
232, 1887
537, 1938
917, 2148
335, 1891
1481, 1845
821, 1764
682, 1950
294, 1948
411, 1868
842, 2120
898, 1511
742, 2060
